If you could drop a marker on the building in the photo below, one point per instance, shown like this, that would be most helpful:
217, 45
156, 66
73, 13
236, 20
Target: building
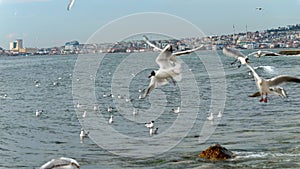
16, 45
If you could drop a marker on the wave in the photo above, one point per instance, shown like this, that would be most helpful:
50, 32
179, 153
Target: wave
246, 155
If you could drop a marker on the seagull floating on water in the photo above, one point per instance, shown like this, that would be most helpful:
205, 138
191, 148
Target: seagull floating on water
135, 112
110, 121
95, 107
62, 162
220, 114
176, 110
150, 124
83, 134
109, 109
38, 113
84, 114
211, 117
153, 131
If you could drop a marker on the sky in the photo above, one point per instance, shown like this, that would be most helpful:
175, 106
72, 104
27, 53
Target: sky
47, 23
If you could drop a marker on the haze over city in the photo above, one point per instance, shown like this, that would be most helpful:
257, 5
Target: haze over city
47, 23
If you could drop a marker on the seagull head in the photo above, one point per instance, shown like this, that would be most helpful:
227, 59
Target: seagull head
151, 74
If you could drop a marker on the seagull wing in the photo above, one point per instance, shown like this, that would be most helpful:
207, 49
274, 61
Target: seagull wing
70, 4
187, 51
282, 79
232, 52
256, 94
256, 76
251, 54
278, 91
151, 44
163, 59
61, 162
269, 53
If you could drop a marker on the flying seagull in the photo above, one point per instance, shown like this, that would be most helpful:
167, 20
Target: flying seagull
166, 71
259, 8
232, 52
268, 86
169, 67
62, 162
71, 3
260, 53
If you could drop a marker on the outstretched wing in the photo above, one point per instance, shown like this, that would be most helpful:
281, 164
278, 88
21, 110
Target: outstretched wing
151, 44
187, 51
232, 52
71, 3
282, 79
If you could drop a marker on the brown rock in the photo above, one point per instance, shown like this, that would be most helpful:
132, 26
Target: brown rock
216, 152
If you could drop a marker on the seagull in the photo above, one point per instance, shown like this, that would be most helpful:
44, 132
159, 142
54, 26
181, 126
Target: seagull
153, 131
232, 52
84, 114
71, 3
165, 72
150, 124
260, 53
173, 55
83, 134
211, 117
95, 107
220, 114
110, 121
135, 112
259, 8
176, 110
62, 162
38, 113
267, 86
109, 109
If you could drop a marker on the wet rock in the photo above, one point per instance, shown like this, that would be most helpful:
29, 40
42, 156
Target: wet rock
216, 152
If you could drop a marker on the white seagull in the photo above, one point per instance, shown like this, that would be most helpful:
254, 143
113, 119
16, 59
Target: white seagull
84, 114
153, 131
110, 121
95, 107
232, 52
211, 117
166, 71
135, 112
83, 134
220, 114
268, 86
260, 53
38, 113
176, 110
150, 124
71, 3
62, 162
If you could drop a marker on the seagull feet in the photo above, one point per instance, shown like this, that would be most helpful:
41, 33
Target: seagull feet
261, 100
266, 100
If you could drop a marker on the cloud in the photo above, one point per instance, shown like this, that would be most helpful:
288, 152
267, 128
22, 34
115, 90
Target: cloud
11, 35
22, 1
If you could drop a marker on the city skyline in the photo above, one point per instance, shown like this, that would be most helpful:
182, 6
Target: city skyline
47, 23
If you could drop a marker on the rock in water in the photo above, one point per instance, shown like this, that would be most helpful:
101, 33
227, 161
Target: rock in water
216, 152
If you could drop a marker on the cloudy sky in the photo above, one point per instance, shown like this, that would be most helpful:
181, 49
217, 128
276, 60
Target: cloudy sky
47, 23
